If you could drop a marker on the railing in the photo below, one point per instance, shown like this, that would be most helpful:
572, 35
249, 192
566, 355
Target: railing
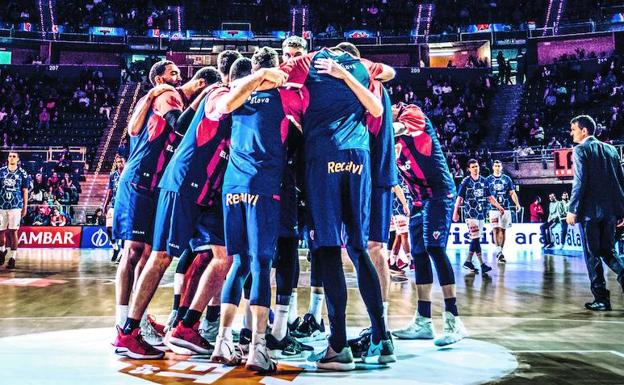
47, 154
516, 34
75, 214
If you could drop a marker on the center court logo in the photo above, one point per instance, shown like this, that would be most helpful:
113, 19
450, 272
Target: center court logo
99, 238
190, 372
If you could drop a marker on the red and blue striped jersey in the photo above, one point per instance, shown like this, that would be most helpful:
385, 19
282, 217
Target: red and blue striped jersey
198, 166
152, 148
422, 162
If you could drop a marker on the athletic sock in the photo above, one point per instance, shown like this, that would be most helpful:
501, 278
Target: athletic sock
280, 324
12, 254
2, 248
424, 309
121, 314
191, 317
226, 333
130, 325
258, 338
316, 305
182, 310
213, 313
176, 301
385, 312
450, 305
292, 308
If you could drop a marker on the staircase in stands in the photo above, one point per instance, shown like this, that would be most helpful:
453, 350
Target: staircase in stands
94, 190
502, 115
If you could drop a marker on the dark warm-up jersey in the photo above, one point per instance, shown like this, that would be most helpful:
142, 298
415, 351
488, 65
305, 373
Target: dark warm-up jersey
259, 130
11, 185
421, 161
113, 183
334, 118
198, 166
474, 194
499, 187
152, 148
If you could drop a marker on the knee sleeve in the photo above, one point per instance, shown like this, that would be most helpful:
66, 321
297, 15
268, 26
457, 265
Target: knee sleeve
423, 270
185, 261
316, 275
261, 281
233, 285
475, 246
286, 265
443, 265
247, 287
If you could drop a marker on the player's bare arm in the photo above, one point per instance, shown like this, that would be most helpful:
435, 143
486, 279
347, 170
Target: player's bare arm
458, 202
398, 191
365, 96
141, 110
245, 86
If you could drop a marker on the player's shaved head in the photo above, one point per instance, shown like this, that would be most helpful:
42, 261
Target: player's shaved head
240, 68
209, 74
349, 48
265, 57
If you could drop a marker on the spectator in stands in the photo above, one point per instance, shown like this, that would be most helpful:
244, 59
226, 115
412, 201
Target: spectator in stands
54, 182
99, 219
502, 67
44, 120
65, 161
536, 210
41, 218
57, 219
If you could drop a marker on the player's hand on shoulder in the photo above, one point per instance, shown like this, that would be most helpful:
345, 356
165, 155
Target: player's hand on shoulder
160, 89
331, 68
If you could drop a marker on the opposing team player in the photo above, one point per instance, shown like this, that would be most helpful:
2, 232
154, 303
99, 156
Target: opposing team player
424, 168
501, 187
14, 183
261, 115
113, 184
473, 196
338, 185
151, 147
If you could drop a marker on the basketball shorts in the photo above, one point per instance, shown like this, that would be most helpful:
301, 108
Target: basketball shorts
135, 209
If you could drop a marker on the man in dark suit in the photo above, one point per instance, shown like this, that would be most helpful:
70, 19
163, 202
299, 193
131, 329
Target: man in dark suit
597, 203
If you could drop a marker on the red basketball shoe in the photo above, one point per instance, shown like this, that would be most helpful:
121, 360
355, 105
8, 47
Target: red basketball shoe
190, 338
133, 346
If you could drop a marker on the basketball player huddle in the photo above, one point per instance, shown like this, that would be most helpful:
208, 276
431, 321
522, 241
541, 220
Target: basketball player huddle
219, 171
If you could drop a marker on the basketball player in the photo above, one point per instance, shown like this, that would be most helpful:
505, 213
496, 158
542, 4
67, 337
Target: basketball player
261, 114
113, 184
151, 148
501, 187
424, 168
337, 158
473, 195
14, 183
311, 327
200, 245
401, 210
384, 176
